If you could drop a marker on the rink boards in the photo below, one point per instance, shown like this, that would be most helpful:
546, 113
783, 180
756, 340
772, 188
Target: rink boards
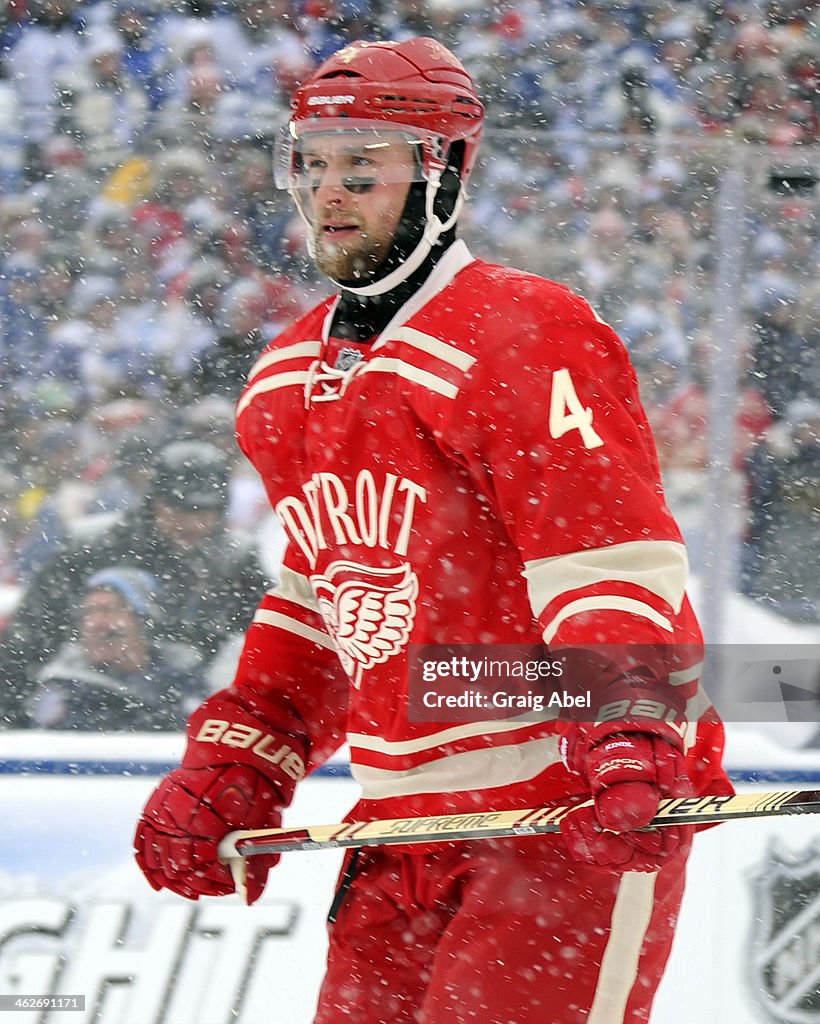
76, 917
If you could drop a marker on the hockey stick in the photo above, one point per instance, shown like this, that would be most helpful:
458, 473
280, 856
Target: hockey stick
498, 824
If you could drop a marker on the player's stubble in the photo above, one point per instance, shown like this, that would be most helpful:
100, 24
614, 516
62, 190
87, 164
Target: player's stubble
355, 259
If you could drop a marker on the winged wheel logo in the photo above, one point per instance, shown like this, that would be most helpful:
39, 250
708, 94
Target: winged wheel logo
368, 611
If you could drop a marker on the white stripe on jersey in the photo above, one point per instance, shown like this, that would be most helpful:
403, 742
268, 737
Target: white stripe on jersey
295, 588
606, 601
685, 676
277, 380
383, 364
659, 566
316, 636
433, 346
454, 259
301, 350
690, 736
698, 705
472, 769
619, 967
397, 748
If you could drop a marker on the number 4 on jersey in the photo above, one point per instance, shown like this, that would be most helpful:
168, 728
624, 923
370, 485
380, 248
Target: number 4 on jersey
567, 413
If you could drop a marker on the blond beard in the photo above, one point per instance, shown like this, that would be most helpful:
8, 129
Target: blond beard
356, 263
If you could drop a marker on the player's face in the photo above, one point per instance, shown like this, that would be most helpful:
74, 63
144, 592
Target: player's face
355, 199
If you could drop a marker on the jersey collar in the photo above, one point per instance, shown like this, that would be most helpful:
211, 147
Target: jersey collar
455, 259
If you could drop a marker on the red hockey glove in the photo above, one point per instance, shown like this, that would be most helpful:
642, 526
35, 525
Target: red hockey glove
628, 773
184, 820
236, 774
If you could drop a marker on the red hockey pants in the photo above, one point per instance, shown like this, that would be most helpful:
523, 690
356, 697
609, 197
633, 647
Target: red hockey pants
497, 932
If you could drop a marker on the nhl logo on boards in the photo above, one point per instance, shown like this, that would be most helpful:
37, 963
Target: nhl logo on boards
785, 959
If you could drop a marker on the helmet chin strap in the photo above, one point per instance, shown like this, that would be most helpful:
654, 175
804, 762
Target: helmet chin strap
434, 229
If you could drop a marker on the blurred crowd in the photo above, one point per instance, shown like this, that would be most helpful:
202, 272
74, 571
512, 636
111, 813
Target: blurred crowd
145, 256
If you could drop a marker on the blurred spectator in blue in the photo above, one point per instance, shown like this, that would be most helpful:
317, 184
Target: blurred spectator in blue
12, 15
145, 58
201, 89
627, 103
675, 72
115, 674
114, 261
331, 24
48, 45
563, 77
100, 105
95, 357
273, 48
12, 150
138, 326
405, 18
211, 578
186, 23
615, 50
24, 329
188, 323
259, 203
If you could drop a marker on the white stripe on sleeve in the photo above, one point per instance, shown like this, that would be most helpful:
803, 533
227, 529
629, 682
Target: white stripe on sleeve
659, 566
316, 636
295, 588
620, 604
486, 768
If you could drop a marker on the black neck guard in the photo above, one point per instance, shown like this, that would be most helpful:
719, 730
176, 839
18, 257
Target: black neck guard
361, 317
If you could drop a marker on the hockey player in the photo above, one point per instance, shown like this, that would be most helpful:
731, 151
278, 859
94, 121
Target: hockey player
459, 456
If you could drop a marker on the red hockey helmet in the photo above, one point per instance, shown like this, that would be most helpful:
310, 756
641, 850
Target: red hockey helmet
416, 86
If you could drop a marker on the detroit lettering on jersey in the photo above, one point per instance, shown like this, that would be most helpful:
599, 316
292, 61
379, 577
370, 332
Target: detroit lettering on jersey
373, 515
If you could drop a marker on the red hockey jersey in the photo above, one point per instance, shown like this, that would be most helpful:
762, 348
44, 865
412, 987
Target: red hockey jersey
482, 473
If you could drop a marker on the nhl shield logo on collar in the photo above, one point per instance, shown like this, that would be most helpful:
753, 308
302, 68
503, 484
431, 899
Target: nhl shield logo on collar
786, 939
346, 358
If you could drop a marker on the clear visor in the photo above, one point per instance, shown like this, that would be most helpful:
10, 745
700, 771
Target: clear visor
356, 155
